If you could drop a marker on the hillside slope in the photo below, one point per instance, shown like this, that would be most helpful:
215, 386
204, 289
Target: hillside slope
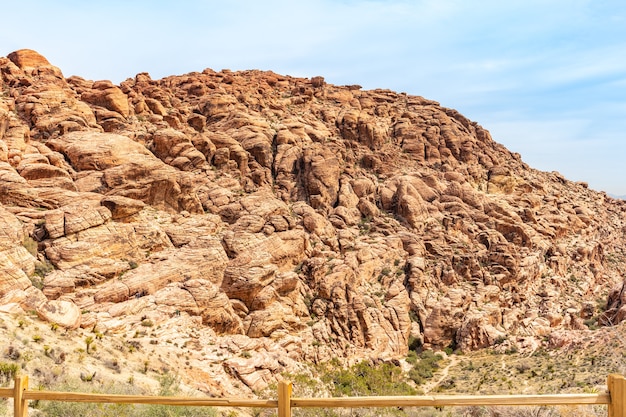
302, 221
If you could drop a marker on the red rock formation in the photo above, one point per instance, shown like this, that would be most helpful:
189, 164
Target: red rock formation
271, 207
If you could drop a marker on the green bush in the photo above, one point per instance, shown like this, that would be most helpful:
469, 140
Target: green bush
365, 378
424, 368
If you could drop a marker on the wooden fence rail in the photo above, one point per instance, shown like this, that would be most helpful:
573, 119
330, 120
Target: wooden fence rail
615, 399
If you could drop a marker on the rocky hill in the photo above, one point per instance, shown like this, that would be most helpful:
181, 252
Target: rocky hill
229, 212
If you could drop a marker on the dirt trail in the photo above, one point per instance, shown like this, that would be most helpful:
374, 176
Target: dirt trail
440, 376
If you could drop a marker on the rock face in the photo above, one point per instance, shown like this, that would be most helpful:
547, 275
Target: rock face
277, 208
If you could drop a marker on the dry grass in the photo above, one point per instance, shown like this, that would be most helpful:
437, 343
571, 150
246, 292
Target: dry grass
582, 366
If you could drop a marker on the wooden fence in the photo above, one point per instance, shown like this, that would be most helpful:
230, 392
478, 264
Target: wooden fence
615, 398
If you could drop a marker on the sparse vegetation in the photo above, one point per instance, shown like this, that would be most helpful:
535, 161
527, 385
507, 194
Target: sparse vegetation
168, 386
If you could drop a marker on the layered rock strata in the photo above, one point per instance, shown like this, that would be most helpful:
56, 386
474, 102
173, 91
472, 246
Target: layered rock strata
326, 220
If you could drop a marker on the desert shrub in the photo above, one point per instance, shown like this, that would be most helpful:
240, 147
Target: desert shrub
169, 384
156, 410
424, 368
362, 379
30, 244
365, 378
415, 344
8, 371
36, 281
12, 353
43, 268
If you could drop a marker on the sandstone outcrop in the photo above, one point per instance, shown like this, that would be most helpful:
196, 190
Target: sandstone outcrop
323, 220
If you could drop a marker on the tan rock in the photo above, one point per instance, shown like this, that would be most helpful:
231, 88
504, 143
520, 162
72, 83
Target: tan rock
177, 298
367, 208
12, 275
322, 176
84, 217
177, 150
129, 168
234, 150
16, 263
106, 248
122, 207
109, 97
99, 151
246, 275
272, 320
27, 58
203, 144
358, 126
478, 331
214, 306
63, 313
42, 171
257, 372
410, 205
29, 299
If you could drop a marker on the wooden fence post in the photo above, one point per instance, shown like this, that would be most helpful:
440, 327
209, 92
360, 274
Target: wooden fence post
284, 399
20, 404
617, 389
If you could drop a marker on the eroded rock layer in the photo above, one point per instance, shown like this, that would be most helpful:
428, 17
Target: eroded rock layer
327, 220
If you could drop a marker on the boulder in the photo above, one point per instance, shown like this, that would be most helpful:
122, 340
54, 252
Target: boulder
108, 96
64, 313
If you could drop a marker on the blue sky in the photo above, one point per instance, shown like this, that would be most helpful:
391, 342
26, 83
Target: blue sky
546, 78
